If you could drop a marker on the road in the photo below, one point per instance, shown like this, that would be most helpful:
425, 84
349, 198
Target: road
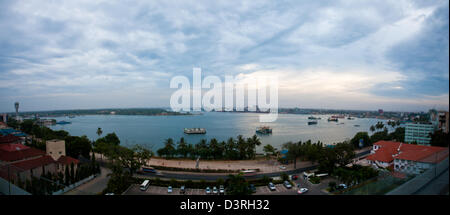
94, 186
215, 176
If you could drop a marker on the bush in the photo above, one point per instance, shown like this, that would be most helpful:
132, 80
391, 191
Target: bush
314, 179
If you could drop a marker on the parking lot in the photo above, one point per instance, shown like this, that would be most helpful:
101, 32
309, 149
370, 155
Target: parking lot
261, 190
154, 190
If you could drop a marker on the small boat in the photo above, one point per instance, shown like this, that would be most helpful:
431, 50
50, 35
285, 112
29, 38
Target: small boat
332, 119
264, 130
356, 125
350, 118
313, 118
312, 122
63, 122
195, 131
71, 116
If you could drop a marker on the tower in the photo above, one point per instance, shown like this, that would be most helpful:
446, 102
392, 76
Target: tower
16, 105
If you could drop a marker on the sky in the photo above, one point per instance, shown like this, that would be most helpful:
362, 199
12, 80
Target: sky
362, 55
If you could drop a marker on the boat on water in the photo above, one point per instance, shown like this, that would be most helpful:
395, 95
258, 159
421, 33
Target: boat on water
63, 122
312, 122
313, 118
356, 125
350, 118
264, 130
195, 131
71, 116
332, 119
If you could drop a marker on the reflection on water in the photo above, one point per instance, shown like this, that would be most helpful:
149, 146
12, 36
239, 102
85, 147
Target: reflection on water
153, 130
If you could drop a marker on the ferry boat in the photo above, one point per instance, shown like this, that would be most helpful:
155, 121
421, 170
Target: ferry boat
264, 130
63, 122
195, 131
312, 122
332, 119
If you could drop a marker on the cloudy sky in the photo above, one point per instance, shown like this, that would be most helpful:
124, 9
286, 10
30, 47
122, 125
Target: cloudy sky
327, 54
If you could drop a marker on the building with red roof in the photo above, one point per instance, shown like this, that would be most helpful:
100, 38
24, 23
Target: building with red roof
406, 158
9, 139
17, 160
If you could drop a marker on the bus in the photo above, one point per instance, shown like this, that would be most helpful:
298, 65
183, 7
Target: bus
250, 172
148, 170
144, 186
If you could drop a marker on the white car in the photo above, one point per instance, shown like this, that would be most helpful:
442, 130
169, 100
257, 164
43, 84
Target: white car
302, 190
272, 186
222, 190
208, 190
343, 186
169, 189
287, 184
283, 167
215, 191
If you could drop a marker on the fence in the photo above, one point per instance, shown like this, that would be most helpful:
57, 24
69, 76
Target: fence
73, 186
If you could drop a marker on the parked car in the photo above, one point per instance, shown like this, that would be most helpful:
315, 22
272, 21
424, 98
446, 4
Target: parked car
272, 187
287, 184
208, 190
109, 194
294, 177
252, 188
215, 191
182, 190
283, 167
302, 190
221, 190
169, 189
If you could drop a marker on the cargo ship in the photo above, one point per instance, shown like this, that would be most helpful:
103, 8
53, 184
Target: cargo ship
195, 131
264, 130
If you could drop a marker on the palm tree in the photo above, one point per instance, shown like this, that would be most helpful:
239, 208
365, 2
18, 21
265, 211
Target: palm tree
99, 133
372, 128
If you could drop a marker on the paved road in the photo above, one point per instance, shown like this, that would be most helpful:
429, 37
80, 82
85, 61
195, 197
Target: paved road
214, 177
94, 186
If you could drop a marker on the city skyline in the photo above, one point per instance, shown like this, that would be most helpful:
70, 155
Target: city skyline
390, 55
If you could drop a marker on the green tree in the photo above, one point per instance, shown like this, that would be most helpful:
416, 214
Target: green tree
294, 151
237, 185
269, 150
364, 136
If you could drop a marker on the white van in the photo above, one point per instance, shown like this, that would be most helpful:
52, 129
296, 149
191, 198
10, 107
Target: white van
145, 185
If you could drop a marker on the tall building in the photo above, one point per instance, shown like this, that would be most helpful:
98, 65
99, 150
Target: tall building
419, 133
16, 106
443, 121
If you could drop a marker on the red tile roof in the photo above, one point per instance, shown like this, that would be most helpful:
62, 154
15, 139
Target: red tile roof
386, 150
67, 160
9, 139
33, 163
7, 152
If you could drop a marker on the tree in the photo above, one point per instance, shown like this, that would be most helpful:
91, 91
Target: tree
182, 148
294, 151
237, 185
364, 136
344, 153
99, 132
269, 150
439, 138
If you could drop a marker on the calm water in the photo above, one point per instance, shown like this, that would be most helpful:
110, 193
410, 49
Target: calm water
153, 130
